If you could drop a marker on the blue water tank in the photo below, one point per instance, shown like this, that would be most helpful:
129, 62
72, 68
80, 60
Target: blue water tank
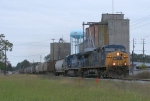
77, 34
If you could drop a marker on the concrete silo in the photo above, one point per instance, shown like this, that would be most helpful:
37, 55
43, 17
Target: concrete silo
59, 50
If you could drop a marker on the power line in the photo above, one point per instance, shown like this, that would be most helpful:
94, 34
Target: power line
33, 42
140, 26
146, 36
141, 20
30, 55
140, 12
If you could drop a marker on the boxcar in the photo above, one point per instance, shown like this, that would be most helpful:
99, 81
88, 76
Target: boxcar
51, 66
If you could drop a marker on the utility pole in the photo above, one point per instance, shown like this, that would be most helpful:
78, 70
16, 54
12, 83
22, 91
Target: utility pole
132, 63
83, 36
112, 6
53, 48
5, 60
133, 52
40, 58
133, 57
143, 51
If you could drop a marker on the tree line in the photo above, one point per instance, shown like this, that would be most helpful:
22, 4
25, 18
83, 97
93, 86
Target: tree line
139, 58
25, 63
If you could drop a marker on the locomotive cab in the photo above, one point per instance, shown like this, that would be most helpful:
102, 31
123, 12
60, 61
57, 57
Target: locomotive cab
116, 61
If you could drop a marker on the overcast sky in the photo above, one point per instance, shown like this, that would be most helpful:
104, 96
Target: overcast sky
31, 24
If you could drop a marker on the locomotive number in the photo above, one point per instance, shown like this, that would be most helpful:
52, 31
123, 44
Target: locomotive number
117, 58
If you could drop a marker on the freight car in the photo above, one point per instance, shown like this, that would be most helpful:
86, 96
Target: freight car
33, 71
51, 66
39, 68
45, 67
59, 67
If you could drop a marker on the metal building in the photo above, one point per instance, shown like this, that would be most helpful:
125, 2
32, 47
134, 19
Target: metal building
112, 29
59, 50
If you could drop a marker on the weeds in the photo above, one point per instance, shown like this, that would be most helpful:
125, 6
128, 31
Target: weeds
44, 88
142, 75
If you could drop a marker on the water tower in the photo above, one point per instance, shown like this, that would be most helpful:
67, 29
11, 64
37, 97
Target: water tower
75, 39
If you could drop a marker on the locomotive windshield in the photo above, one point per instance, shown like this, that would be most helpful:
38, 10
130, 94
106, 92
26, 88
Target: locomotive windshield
114, 49
120, 49
109, 49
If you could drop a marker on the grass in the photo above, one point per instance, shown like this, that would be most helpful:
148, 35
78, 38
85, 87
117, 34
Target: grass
142, 75
50, 88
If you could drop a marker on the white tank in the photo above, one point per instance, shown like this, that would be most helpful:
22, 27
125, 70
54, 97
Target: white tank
36, 69
59, 65
40, 67
45, 66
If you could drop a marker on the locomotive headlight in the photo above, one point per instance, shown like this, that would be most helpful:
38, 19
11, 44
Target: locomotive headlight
125, 63
117, 53
114, 64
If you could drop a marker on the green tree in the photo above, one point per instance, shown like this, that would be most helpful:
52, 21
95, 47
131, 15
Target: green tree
9, 67
25, 64
46, 58
139, 58
1, 65
18, 66
1, 40
5, 45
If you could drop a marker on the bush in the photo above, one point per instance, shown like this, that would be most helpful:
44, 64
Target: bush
143, 66
142, 75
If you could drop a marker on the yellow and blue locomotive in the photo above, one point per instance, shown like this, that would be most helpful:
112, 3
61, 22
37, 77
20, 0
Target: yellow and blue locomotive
110, 61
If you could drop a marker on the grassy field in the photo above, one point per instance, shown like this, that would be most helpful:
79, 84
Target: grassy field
142, 75
48, 88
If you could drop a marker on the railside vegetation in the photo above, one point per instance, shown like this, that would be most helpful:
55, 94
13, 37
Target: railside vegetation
142, 75
50, 88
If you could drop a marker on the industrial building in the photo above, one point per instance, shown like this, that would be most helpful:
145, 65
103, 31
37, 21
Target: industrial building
112, 29
59, 50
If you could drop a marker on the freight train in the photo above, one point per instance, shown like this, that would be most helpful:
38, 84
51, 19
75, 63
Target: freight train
110, 61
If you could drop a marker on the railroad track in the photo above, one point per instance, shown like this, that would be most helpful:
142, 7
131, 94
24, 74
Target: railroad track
134, 79
123, 79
